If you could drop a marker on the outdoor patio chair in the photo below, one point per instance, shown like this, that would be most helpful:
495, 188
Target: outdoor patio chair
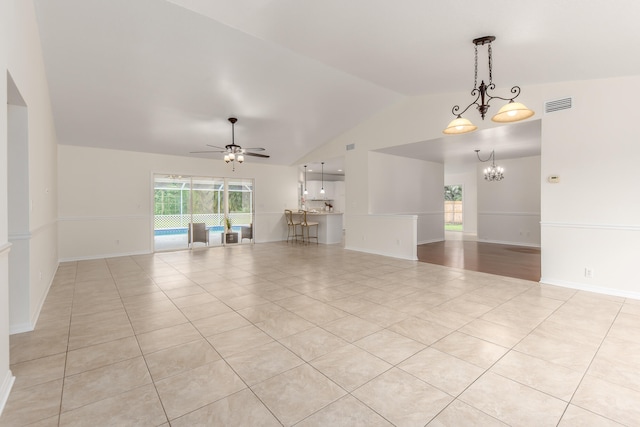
199, 232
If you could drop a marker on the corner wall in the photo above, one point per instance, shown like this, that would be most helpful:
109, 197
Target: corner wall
21, 56
509, 210
408, 187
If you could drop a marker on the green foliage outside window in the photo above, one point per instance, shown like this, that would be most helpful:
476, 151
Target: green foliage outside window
453, 192
172, 202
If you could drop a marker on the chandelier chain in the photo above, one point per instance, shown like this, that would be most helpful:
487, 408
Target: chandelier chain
475, 76
490, 66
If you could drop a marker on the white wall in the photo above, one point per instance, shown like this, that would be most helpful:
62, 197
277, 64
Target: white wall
576, 144
408, 186
21, 56
509, 210
6, 377
591, 218
105, 206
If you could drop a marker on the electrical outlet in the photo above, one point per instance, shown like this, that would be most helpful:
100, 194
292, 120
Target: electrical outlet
588, 273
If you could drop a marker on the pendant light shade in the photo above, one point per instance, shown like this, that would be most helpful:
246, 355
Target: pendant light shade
512, 112
459, 125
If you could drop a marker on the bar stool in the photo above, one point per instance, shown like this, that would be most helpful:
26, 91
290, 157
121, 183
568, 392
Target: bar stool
306, 226
292, 226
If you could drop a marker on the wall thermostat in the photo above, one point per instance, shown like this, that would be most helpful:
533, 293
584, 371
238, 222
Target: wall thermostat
554, 179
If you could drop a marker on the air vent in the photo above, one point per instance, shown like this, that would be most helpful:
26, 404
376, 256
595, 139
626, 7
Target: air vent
351, 147
557, 105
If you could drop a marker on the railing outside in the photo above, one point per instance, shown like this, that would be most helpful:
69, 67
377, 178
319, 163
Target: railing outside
162, 222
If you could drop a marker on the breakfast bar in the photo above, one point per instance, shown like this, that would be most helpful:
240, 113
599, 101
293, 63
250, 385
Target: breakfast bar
329, 225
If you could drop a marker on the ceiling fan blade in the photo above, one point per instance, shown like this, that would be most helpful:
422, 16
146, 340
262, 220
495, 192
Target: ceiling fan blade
257, 155
255, 149
209, 151
215, 146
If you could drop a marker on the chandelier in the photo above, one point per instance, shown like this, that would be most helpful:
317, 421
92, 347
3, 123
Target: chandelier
510, 112
493, 172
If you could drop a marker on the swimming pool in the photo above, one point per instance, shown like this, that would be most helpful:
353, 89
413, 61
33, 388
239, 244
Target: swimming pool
183, 230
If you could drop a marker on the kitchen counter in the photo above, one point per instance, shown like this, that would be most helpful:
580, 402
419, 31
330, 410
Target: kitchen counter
329, 225
323, 213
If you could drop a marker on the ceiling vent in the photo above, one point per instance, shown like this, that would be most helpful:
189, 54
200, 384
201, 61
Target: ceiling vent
351, 147
557, 105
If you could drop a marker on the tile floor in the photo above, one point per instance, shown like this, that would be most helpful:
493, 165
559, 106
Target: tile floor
277, 334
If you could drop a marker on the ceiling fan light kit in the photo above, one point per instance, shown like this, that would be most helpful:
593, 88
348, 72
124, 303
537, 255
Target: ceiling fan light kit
233, 152
511, 112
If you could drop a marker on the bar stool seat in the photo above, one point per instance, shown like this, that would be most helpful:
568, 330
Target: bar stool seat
306, 225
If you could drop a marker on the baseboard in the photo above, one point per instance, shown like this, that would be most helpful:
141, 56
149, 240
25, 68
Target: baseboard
590, 288
426, 242
20, 328
92, 257
390, 255
501, 242
5, 389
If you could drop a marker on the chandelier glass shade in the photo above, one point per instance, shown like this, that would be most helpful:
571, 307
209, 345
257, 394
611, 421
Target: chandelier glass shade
493, 172
511, 112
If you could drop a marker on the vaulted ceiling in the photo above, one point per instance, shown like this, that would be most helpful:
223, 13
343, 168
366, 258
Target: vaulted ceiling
163, 76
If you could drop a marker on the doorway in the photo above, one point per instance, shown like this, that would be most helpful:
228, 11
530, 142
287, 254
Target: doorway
453, 209
194, 211
19, 234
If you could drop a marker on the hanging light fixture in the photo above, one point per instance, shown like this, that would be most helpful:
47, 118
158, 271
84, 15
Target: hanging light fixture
511, 112
305, 180
322, 189
493, 172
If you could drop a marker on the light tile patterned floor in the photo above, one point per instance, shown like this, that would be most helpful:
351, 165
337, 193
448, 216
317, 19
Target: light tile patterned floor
276, 334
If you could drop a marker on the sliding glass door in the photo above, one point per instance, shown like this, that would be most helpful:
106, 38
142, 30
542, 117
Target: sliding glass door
240, 205
190, 211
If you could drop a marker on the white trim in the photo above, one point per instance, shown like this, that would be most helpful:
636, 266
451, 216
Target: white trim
20, 236
91, 257
502, 242
424, 213
43, 227
425, 242
589, 288
20, 328
102, 218
4, 249
510, 213
591, 226
36, 314
387, 254
26, 235
5, 389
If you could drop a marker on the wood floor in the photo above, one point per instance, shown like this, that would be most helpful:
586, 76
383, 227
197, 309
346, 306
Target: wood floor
505, 260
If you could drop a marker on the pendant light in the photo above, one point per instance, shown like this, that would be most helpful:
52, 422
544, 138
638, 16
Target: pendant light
493, 172
510, 112
322, 189
305, 180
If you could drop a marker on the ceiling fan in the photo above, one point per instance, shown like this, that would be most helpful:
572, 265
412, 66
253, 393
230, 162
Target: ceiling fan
234, 152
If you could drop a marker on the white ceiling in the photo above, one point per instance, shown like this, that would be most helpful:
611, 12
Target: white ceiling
163, 76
